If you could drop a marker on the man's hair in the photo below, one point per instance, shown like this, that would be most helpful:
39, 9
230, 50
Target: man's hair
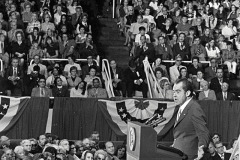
186, 85
220, 68
24, 141
36, 68
96, 79
72, 57
195, 57
142, 28
218, 142
106, 143
60, 143
95, 132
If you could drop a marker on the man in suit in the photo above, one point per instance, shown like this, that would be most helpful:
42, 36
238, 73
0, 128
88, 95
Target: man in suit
43, 68
97, 91
145, 50
190, 132
225, 95
198, 50
14, 75
117, 79
163, 49
174, 70
134, 78
85, 68
210, 72
76, 17
182, 48
161, 18
217, 81
66, 46
41, 91
220, 155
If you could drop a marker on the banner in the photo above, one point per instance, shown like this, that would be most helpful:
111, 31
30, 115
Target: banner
118, 113
10, 111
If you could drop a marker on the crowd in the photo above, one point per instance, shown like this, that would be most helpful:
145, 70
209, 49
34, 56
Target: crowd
159, 30
51, 147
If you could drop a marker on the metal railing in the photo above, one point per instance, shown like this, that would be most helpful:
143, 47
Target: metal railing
106, 74
1, 61
58, 59
172, 61
153, 86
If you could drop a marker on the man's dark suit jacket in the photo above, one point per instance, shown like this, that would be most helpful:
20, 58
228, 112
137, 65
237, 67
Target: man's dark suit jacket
131, 76
160, 20
209, 74
119, 71
63, 92
226, 156
185, 52
230, 96
20, 74
215, 85
190, 131
165, 52
141, 54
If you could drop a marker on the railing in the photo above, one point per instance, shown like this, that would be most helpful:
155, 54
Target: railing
153, 86
106, 74
113, 10
172, 61
56, 59
1, 65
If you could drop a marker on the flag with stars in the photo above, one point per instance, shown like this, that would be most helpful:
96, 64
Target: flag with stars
118, 113
10, 111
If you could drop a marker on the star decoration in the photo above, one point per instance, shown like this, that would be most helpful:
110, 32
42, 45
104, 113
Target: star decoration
124, 115
5, 106
121, 110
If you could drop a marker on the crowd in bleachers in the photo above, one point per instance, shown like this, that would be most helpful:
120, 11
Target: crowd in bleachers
195, 31
51, 147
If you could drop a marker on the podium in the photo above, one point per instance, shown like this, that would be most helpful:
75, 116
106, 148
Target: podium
142, 145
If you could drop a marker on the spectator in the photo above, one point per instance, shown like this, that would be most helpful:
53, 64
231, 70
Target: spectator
205, 38
135, 77
184, 74
96, 91
26, 144
88, 48
35, 50
71, 60
212, 50
109, 148
92, 75
85, 68
47, 24
198, 50
174, 70
33, 145
41, 90
59, 90
43, 68
117, 79
19, 152
50, 33
35, 36
217, 81
161, 17
32, 80
100, 155
51, 49
64, 22
73, 80
88, 155
196, 81
206, 93
2, 31
168, 28
65, 148
184, 26
182, 48
80, 90
232, 145
194, 68
84, 22
166, 91
76, 17
58, 14
66, 46
20, 48
139, 8
33, 23
41, 143
225, 95
51, 79
229, 30
8, 154
72, 150
81, 36
229, 58
14, 75
5, 144
163, 49
120, 152
134, 30
220, 152
3, 22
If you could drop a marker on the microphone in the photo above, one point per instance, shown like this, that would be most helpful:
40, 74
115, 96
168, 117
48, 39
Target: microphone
151, 119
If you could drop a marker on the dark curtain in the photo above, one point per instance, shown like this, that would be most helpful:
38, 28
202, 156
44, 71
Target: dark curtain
76, 118
33, 120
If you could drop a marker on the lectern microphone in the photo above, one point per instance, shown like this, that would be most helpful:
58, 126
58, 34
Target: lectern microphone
149, 121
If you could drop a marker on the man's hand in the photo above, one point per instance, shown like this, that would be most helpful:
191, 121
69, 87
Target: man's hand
200, 153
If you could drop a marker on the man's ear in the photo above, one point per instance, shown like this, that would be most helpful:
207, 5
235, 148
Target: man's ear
188, 93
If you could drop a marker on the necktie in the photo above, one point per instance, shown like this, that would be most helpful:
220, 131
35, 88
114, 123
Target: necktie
222, 156
15, 72
198, 50
179, 114
42, 92
225, 96
2, 48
